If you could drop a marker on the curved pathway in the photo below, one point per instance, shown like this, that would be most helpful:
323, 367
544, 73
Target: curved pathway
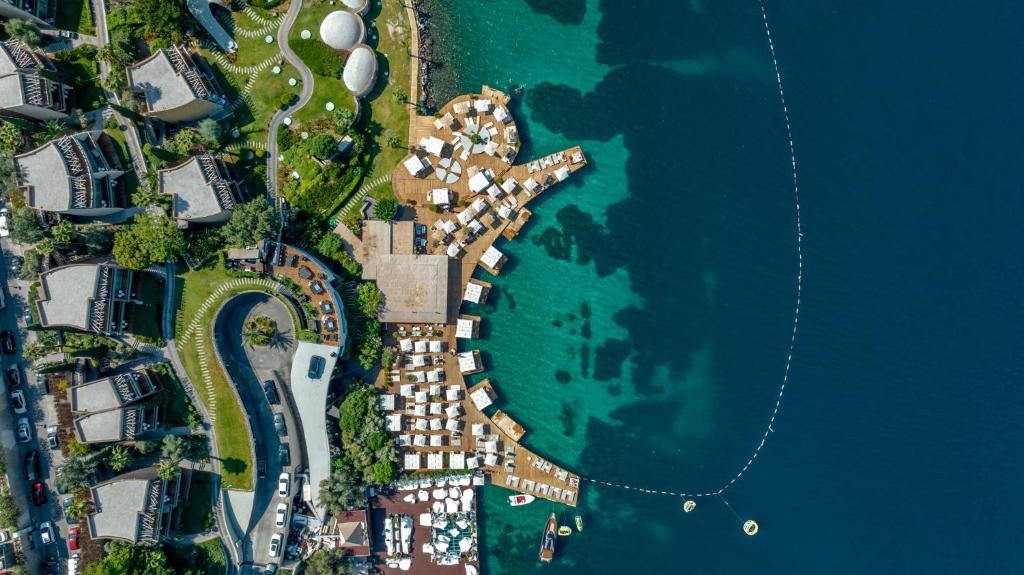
304, 95
200, 9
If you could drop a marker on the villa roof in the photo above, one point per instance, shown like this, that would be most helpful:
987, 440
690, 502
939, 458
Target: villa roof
415, 287
128, 507
360, 71
111, 392
109, 426
198, 187
71, 290
169, 79
61, 174
16, 55
342, 30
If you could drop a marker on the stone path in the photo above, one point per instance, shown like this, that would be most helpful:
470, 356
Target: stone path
357, 198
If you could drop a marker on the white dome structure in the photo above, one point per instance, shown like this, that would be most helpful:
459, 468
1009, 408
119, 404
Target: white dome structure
342, 30
358, 6
360, 71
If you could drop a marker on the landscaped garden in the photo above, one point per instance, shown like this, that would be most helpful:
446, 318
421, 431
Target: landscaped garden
388, 115
75, 15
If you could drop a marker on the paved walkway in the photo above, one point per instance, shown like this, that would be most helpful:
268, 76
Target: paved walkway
304, 96
200, 9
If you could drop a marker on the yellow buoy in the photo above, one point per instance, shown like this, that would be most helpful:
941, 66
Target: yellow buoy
689, 505
750, 527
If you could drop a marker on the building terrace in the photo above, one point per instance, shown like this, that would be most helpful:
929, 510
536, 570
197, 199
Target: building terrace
202, 190
109, 409
71, 175
86, 296
135, 507
175, 86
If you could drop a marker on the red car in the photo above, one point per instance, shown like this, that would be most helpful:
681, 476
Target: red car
38, 493
73, 539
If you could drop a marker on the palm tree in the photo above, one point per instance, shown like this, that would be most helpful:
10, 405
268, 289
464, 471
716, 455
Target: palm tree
173, 449
259, 331
62, 232
120, 458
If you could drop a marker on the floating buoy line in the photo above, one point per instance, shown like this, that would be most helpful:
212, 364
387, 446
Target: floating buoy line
750, 527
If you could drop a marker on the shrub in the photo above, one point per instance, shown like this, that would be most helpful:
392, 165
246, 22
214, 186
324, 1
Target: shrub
386, 209
322, 146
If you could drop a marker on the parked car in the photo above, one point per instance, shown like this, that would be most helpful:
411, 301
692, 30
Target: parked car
261, 468
279, 424
285, 455
275, 545
281, 516
284, 483
51, 437
7, 343
38, 494
14, 264
18, 402
13, 376
73, 539
316, 367
4, 229
33, 468
271, 392
65, 506
24, 430
46, 534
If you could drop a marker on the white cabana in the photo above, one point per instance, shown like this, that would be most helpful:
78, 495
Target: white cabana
435, 425
421, 397
502, 115
481, 398
461, 107
491, 460
511, 134
412, 460
452, 425
387, 402
467, 362
419, 410
492, 258
421, 424
454, 249
418, 360
419, 440
436, 440
490, 147
445, 121
434, 375
435, 390
505, 212
531, 185
472, 462
482, 105
441, 196
416, 165
449, 226
562, 173
475, 226
466, 215
419, 376
479, 205
420, 346
408, 390
479, 429
473, 292
453, 393
509, 185
404, 440
494, 192
393, 423
489, 446
454, 410
433, 145
464, 328
457, 460
435, 460
436, 408
479, 182
436, 346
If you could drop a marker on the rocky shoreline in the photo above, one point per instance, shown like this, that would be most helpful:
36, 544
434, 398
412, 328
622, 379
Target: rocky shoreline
421, 8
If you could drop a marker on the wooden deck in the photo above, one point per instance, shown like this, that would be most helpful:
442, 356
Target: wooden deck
512, 465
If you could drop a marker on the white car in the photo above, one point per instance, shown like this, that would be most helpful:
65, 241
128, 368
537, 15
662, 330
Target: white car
284, 484
18, 402
24, 430
281, 516
46, 533
4, 230
275, 545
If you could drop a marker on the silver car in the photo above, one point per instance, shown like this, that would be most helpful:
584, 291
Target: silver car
275, 545
24, 430
282, 514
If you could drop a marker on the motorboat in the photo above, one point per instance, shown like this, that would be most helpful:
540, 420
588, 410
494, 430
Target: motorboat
547, 541
564, 531
520, 499
579, 523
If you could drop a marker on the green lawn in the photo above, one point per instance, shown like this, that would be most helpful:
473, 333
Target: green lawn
196, 509
326, 88
147, 318
175, 400
75, 15
393, 72
83, 74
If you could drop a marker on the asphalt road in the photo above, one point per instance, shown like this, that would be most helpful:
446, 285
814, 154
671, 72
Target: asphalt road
41, 413
250, 367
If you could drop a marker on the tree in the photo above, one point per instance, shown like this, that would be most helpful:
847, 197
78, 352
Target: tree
166, 469
259, 331
251, 222
149, 239
173, 448
46, 247
75, 471
61, 233
79, 506
386, 209
328, 562
343, 119
25, 228
369, 350
209, 132
8, 511
31, 268
399, 96
341, 491
49, 131
322, 146
122, 559
10, 138
184, 142
120, 458
369, 299
388, 355
24, 30
353, 220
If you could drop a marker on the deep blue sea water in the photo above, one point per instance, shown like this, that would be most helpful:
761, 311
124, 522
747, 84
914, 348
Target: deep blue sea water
660, 283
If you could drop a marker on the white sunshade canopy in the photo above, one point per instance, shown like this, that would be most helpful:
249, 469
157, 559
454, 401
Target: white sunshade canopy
475, 226
490, 148
452, 425
408, 390
436, 408
393, 423
491, 257
433, 376
436, 346
420, 346
422, 425
467, 362
453, 393
494, 192
387, 402
457, 460
420, 440
419, 360
479, 429
504, 211
441, 196
479, 205
480, 398
405, 345
412, 460
419, 410
421, 397
509, 185
479, 182
433, 145
530, 184
436, 425
482, 105
436, 441
454, 410
562, 173
454, 249
449, 226
464, 329
473, 292
501, 113
415, 164
435, 460
466, 215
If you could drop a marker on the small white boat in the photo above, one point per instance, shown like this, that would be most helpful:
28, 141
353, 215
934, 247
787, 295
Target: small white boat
520, 499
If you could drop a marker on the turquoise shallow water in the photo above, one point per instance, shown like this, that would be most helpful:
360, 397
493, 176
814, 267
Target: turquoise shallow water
640, 331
